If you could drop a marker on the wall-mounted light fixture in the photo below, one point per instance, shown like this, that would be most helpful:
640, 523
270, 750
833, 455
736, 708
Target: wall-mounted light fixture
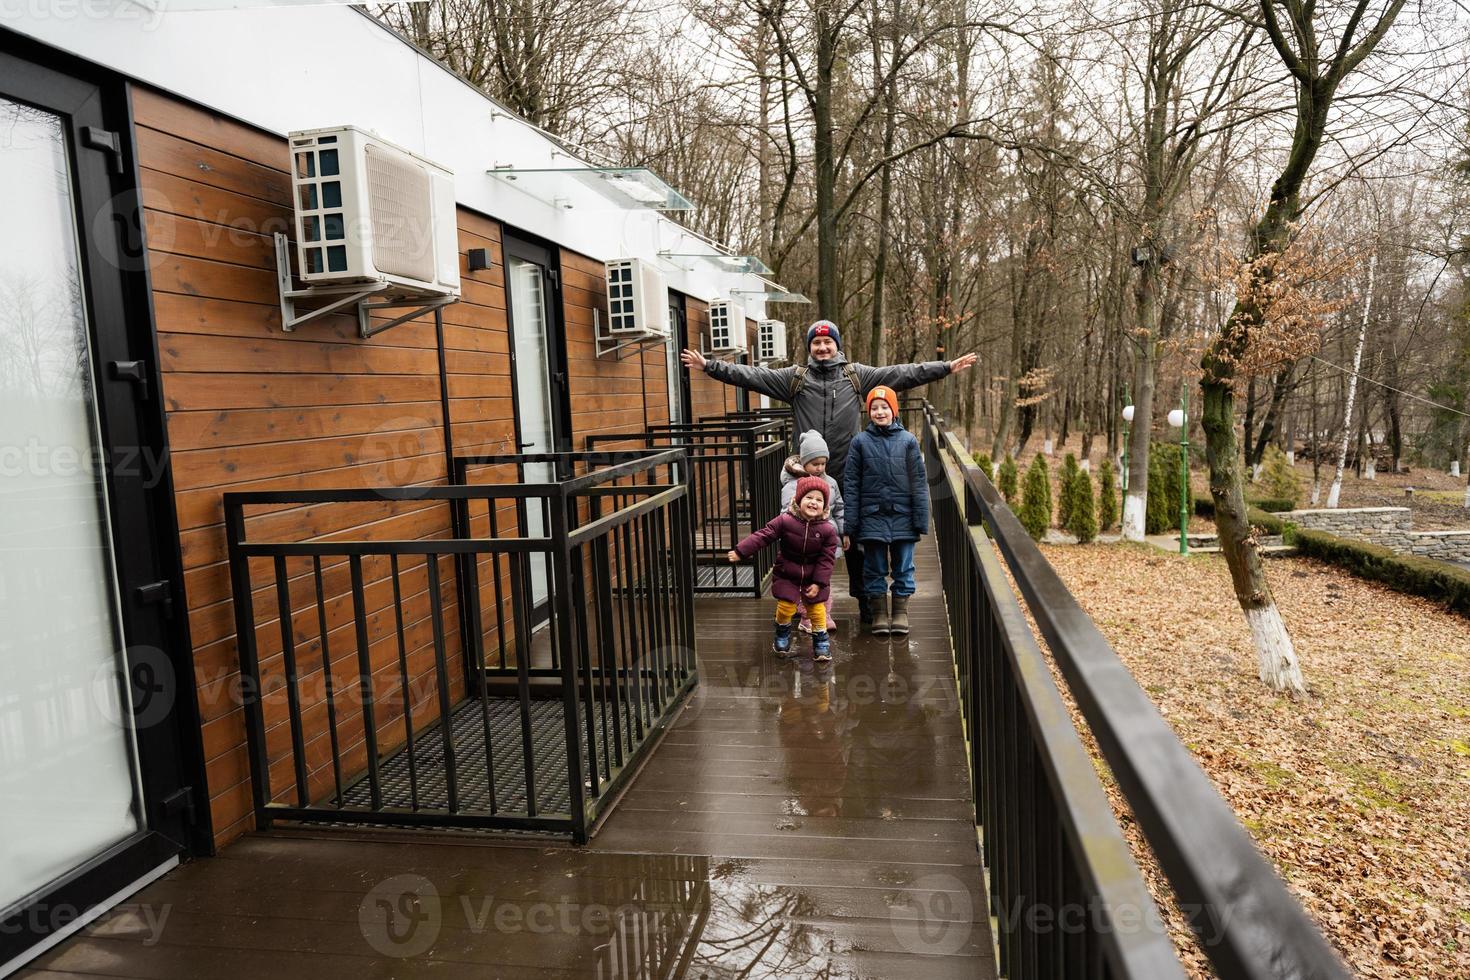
479, 259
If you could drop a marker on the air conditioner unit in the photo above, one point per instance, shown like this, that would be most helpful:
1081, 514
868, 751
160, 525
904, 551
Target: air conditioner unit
727, 334
770, 340
371, 212
637, 300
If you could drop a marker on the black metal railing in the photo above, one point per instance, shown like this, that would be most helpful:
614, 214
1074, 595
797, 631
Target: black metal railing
734, 479
1064, 889
367, 674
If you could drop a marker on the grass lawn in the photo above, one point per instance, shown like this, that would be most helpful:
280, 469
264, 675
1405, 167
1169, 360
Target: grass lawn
1359, 793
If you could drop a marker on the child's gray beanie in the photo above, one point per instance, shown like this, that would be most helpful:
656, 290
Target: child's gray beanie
813, 446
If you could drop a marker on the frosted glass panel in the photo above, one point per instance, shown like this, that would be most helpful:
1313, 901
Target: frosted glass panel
67, 782
533, 395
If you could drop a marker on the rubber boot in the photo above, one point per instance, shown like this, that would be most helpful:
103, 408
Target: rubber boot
782, 643
822, 647
879, 606
865, 614
899, 620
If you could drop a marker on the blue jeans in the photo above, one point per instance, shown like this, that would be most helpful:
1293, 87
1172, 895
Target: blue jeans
881, 557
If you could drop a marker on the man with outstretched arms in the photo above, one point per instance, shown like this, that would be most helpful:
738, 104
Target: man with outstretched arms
827, 393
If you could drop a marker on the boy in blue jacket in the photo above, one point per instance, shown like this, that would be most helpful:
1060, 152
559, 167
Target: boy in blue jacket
886, 492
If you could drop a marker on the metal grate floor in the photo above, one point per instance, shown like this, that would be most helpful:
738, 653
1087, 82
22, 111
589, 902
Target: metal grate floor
397, 773
724, 576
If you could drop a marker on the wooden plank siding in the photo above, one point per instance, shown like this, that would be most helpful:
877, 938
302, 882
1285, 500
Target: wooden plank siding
251, 407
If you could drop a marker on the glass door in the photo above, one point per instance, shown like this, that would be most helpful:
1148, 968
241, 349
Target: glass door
678, 377
92, 794
539, 378
68, 770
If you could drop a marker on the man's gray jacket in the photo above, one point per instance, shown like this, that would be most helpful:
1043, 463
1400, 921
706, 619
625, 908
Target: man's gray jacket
827, 401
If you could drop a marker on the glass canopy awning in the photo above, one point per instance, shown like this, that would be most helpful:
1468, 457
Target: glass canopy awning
738, 264
624, 188
771, 295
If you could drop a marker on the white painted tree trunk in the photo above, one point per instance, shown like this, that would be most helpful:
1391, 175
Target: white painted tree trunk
1455, 468
1134, 505
1316, 492
1467, 496
1275, 655
1370, 472
1256, 473
1352, 392
1046, 447
1085, 466
1291, 457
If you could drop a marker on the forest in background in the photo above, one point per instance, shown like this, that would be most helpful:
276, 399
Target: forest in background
962, 176
1258, 202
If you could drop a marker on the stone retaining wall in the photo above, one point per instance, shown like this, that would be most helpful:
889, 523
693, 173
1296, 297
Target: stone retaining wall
1388, 527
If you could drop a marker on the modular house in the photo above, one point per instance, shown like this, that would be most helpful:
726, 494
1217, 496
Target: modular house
145, 372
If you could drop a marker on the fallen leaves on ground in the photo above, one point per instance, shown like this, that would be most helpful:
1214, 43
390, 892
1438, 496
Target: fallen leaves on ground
1359, 793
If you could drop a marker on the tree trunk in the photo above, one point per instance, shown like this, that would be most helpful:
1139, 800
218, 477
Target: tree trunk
885, 197
1316, 444
825, 166
1281, 388
1136, 499
1347, 423
1276, 657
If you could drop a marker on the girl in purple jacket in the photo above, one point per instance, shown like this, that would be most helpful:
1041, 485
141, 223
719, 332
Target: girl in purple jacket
803, 566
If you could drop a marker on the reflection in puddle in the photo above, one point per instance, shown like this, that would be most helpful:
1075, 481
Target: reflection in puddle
712, 923
837, 727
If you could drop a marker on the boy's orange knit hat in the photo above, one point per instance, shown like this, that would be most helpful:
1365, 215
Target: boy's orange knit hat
887, 394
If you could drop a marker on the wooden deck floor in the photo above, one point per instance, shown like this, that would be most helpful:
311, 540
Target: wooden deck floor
795, 822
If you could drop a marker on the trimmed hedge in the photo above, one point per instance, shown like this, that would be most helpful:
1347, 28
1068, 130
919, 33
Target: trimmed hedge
1270, 523
1424, 577
1273, 505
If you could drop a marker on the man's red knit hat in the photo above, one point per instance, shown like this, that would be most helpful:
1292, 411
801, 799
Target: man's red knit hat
887, 394
807, 484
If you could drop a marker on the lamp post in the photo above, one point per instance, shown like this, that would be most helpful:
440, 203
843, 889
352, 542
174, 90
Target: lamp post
1179, 419
1127, 421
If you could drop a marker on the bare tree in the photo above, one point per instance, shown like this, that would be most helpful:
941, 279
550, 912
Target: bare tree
1319, 47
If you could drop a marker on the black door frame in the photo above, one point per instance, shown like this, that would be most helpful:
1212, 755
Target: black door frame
95, 106
517, 244
679, 337
520, 245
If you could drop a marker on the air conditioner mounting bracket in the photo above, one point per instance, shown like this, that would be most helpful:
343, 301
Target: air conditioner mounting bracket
342, 298
621, 346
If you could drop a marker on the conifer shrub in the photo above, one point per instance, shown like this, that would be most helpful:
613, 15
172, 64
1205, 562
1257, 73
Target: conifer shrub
1009, 479
1065, 479
1161, 509
982, 460
1107, 496
1280, 479
1036, 500
1082, 520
